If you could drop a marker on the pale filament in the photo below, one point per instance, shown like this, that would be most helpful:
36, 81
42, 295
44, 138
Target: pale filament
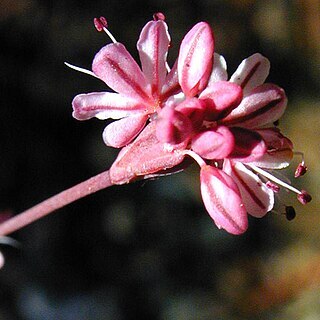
274, 179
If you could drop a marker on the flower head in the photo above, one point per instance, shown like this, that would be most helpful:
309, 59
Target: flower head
226, 125
139, 92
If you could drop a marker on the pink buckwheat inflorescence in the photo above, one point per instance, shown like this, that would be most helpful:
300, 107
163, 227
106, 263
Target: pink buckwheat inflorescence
164, 115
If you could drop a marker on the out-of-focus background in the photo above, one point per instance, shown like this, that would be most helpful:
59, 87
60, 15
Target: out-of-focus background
148, 250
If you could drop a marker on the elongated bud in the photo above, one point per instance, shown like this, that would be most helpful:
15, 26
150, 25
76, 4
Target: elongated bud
195, 59
214, 144
222, 200
172, 126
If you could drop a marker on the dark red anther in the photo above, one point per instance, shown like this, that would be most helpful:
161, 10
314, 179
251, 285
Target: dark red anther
100, 23
274, 187
290, 213
304, 197
159, 16
300, 171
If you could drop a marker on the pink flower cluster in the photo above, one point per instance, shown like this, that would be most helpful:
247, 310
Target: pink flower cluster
193, 110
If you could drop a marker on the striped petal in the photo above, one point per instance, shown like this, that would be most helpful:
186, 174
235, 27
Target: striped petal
196, 59
249, 145
115, 66
251, 73
279, 150
104, 105
219, 69
221, 98
120, 133
171, 85
263, 106
153, 48
215, 143
222, 200
257, 197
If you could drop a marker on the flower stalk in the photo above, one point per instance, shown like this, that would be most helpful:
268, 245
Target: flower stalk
81, 190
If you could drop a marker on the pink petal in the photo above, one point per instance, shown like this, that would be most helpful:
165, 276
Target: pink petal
249, 145
171, 85
221, 98
257, 197
222, 200
215, 143
219, 70
104, 105
115, 66
196, 59
153, 48
120, 133
144, 156
194, 109
279, 150
172, 126
263, 106
252, 72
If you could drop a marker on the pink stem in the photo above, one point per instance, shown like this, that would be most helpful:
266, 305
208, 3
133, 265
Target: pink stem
58, 201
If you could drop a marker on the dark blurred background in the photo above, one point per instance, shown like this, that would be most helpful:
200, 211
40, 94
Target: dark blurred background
147, 250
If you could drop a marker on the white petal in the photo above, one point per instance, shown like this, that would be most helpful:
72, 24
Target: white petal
121, 132
257, 197
104, 105
219, 69
251, 73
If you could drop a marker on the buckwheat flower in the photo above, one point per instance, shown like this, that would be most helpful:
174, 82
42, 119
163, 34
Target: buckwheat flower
164, 117
139, 93
235, 141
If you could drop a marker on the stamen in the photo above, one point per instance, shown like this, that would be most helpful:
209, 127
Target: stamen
159, 16
90, 73
301, 170
304, 197
290, 213
101, 24
274, 179
195, 156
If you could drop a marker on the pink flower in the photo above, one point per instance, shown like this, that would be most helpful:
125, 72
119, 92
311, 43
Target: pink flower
139, 94
227, 127
162, 116
238, 138
262, 105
